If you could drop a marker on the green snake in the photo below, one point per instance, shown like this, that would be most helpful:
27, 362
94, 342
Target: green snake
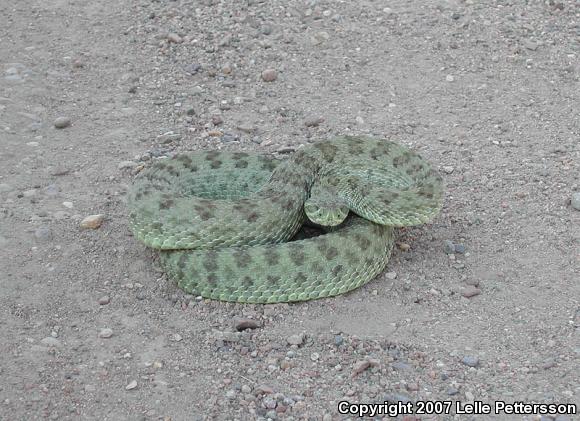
224, 220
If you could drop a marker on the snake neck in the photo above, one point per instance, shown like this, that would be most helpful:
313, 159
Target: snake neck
295, 176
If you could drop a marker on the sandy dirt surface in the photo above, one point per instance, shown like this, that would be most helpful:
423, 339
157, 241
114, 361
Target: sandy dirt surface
481, 305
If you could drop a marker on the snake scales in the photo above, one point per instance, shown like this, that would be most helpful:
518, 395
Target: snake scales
223, 220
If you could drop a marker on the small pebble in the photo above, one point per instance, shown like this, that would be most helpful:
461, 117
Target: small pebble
104, 300
359, 367
92, 221
175, 38
51, 342
403, 246
413, 387
448, 169
391, 275
29, 193
5, 188
313, 121
192, 68
401, 366
338, 340
530, 45
297, 339
315, 356
264, 390
62, 122
43, 234
132, 385
269, 75
266, 29
397, 397
269, 402
243, 324
448, 247
106, 333
77, 63
470, 291
216, 119
228, 137
576, 201
449, 78
246, 128
168, 137
459, 248
452, 391
320, 37
549, 363
470, 361
126, 165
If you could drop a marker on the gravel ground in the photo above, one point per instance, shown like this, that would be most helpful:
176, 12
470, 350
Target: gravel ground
481, 305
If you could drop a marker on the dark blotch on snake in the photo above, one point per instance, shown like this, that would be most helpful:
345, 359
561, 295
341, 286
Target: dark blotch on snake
351, 257
242, 258
328, 151
253, 217
300, 278
212, 279
426, 193
185, 160
271, 257
182, 261
239, 155
402, 159
330, 253
241, 164
337, 270
296, 254
316, 267
375, 153
205, 216
210, 262
363, 242
289, 205
211, 155
247, 282
166, 204
355, 149
268, 164
273, 279
216, 164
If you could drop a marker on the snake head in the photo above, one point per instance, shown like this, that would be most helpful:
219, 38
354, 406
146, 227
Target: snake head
328, 213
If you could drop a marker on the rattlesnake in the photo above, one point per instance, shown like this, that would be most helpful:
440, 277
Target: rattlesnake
223, 220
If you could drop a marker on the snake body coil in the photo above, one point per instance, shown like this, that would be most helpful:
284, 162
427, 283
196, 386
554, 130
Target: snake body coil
223, 219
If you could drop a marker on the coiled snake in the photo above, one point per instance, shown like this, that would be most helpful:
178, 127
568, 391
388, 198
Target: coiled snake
223, 220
